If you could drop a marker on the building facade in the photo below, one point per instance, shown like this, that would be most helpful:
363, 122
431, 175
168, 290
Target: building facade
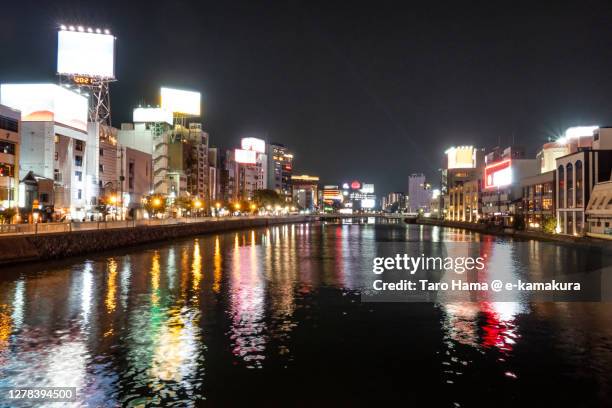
419, 193
10, 144
280, 168
538, 200
576, 175
599, 211
305, 192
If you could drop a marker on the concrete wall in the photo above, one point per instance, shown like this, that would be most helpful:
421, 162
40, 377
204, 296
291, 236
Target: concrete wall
22, 248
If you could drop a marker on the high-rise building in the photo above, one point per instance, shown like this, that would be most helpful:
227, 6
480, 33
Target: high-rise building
393, 202
280, 168
188, 161
419, 193
252, 167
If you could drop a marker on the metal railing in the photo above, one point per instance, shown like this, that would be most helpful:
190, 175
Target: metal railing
55, 227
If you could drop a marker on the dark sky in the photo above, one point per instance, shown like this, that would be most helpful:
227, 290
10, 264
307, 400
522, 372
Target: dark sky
371, 91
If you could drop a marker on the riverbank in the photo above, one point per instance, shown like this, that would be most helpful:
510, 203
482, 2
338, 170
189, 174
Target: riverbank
540, 236
22, 248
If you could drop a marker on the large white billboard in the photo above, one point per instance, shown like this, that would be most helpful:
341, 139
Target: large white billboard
87, 54
253, 143
179, 101
152, 115
46, 102
245, 156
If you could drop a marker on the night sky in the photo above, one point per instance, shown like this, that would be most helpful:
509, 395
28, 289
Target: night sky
371, 91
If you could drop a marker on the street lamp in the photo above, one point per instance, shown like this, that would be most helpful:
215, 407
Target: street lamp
198, 205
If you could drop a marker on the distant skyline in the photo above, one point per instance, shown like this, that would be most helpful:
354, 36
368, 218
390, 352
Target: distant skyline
367, 91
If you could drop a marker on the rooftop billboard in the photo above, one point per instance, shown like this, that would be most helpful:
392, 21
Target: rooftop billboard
86, 54
152, 115
461, 157
245, 156
46, 102
179, 101
253, 143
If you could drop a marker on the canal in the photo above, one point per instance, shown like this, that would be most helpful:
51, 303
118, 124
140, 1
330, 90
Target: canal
276, 315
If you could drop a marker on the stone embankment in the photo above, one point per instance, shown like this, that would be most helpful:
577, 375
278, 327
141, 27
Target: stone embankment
541, 236
39, 247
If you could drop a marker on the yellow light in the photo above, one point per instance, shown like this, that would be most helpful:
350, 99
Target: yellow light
113, 199
253, 206
197, 203
156, 202
218, 205
237, 206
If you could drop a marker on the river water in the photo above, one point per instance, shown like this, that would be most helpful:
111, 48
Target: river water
275, 315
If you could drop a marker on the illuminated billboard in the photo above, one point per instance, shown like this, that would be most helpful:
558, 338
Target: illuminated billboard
86, 53
367, 188
579, 131
368, 203
332, 193
179, 101
152, 115
46, 102
498, 174
245, 156
461, 157
253, 143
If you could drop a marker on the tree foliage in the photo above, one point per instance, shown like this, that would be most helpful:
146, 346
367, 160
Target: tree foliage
267, 197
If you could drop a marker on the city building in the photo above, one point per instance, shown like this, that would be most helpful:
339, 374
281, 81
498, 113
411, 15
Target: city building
280, 168
213, 175
419, 193
599, 211
188, 161
135, 179
538, 200
53, 143
10, 143
393, 202
464, 201
502, 193
102, 178
228, 176
252, 169
331, 198
549, 153
305, 192
576, 175
358, 196
462, 164
436, 205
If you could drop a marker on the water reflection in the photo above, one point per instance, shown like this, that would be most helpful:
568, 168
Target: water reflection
265, 311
